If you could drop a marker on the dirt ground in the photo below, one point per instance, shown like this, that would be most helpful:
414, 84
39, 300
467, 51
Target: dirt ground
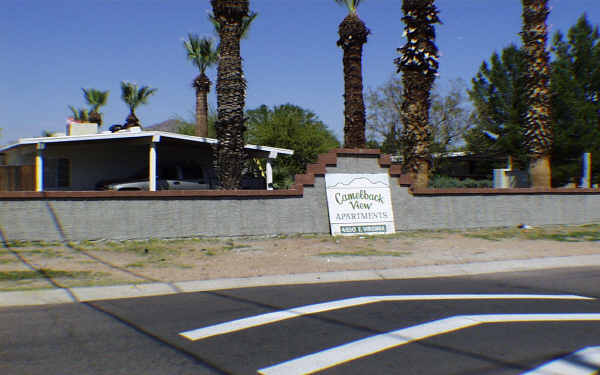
25, 265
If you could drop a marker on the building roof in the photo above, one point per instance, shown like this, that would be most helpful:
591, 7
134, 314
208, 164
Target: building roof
128, 134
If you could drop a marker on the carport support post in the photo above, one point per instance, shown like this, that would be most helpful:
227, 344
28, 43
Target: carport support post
39, 166
269, 175
152, 163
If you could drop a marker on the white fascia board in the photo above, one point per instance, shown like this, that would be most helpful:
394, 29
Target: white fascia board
8, 147
155, 135
273, 151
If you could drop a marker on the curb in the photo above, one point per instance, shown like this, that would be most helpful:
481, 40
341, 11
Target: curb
87, 294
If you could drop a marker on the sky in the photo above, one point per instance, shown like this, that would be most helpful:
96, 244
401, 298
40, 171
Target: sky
53, 49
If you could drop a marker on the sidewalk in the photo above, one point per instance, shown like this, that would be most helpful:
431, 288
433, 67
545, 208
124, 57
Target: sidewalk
83, 294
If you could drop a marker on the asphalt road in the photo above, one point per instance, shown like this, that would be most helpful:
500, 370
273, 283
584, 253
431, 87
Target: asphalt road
432, 333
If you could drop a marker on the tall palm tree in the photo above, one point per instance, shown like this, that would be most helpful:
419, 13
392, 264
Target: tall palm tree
353, 35
419, 65
538, 130
203, 54
95, 99
134, 97
230, 16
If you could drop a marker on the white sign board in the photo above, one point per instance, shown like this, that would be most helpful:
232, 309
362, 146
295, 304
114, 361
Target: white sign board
359, 203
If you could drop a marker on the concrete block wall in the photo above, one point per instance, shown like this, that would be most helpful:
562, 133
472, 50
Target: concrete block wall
75, 216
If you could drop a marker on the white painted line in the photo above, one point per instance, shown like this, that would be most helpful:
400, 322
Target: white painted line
583, 362
371, 345
268, 318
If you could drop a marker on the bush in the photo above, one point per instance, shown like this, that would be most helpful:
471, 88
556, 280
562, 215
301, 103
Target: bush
445, 182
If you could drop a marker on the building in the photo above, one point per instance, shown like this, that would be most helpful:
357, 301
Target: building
83, 158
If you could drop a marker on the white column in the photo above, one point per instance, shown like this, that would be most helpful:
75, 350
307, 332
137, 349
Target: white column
586, 178
39, 166
152, 166
269, 175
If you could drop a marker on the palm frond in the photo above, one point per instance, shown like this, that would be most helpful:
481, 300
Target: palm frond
95, 98
246, 23
202, 52
215, 23
81, 115
134, 96
352, 5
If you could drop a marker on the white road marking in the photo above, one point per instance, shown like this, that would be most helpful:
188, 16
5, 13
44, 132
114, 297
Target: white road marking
344, 353
583, 362
268, 318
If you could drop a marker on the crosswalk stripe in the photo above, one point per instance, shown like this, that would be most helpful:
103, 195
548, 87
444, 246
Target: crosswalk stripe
371, 345
583, 362
277, 316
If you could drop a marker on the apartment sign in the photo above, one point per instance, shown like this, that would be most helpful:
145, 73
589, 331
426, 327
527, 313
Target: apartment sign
359, 204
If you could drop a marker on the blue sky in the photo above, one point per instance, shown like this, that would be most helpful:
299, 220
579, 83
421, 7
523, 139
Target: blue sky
51, 49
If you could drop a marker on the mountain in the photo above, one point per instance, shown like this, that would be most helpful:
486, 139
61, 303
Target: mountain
166, 126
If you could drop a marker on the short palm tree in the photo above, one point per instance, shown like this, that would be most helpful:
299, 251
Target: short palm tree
538, 130
230, 16
353, 35
95, 99
133, 97
80, 115
419, 65
203, 54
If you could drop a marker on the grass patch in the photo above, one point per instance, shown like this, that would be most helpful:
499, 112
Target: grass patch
231, 246
366, 253
6, 261
136, 265
152, 247
44, 273
32, 244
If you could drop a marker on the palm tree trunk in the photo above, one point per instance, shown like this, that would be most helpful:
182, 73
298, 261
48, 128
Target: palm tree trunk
418, 65
353, 35
538, 131
231, 89
202, 85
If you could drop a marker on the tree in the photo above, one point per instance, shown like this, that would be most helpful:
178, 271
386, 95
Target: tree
576, 100
80, 115
499, 96
188, 127
449, 116
419, 65
292, 127
95, 99
134, 97
538, 130
203, 54
231, 90
353, 35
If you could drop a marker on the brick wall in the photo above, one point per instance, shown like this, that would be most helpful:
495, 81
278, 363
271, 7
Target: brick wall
55, 216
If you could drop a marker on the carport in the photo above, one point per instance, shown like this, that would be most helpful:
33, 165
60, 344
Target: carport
78, 162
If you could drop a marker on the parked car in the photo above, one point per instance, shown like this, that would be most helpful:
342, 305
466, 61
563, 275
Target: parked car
176, 177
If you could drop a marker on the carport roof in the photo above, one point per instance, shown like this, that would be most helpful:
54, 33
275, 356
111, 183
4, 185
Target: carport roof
154, 135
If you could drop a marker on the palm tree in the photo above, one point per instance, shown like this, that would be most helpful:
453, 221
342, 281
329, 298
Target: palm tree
80, 115
419, 65
353, 35
538, 131
203, 54
133, 97
230, 16
95, 99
